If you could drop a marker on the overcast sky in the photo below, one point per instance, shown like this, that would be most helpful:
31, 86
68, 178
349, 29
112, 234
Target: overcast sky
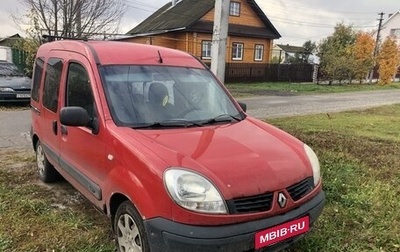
296, 20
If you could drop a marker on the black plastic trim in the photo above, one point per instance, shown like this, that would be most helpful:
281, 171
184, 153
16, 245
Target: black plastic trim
166, 235
82, 179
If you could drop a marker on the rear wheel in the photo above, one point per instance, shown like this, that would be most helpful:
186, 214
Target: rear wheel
46, 171
129, 229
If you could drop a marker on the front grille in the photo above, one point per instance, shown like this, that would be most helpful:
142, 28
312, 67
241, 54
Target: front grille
301, 189
252, 204
263, 202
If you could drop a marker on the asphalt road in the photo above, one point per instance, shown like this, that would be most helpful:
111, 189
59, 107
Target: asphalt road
14, 129
15, 125
282, 106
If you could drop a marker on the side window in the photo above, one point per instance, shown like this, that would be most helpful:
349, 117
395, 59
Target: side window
52, 83
79, 92
37, 78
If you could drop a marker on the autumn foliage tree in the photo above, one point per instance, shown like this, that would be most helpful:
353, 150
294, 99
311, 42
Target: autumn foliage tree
363, 55
388, 61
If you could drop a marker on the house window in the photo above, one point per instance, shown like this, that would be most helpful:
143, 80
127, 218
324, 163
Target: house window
395, 33
206, 49
234, 9
258, 52
237, 51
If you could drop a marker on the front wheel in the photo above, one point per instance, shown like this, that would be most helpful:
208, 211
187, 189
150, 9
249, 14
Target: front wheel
129, 229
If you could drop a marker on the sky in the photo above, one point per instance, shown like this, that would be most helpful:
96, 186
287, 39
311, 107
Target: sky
296, 20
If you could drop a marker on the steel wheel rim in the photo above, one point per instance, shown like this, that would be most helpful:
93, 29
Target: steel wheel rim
129, 239
40, 159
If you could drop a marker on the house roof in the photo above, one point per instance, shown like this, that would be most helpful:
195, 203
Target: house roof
292, 49
185, 15
8, 41
391, 17
387, 21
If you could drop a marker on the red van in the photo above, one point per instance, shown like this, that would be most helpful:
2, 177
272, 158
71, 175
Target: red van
156, 142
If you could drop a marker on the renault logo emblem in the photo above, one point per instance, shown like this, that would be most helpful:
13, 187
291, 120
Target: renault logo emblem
282, 200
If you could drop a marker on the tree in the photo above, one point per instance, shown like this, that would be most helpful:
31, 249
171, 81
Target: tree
303, 55
30, 44
363, 55
76, 18
310, 48
388, 60
334, 53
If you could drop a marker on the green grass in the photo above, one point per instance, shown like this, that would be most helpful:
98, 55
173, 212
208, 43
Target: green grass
253, 89
359, 155
360, 164
13, 107
38, 217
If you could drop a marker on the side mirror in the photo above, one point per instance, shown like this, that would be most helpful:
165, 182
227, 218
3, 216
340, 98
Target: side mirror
243, 106
74, 116
78, 117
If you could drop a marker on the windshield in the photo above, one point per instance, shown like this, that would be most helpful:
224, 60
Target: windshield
9, 69
148, 96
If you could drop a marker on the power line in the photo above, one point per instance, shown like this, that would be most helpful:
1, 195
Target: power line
277, 19
313, 9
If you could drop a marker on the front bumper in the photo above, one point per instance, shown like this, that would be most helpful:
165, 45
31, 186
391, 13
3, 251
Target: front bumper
165, 235
15, 97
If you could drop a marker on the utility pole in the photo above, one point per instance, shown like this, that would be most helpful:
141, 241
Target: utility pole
219, 39
378, 34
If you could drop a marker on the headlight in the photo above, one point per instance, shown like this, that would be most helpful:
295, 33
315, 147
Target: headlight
6, 89
314, 163
194, 192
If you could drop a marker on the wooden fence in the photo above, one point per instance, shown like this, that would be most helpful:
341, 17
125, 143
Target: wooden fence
242, 72
19, 58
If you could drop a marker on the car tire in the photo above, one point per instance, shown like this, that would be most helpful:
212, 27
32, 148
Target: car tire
45, 170
129, 229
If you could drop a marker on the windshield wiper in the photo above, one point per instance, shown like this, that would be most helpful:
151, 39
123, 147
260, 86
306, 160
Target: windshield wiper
170, 123
222, 118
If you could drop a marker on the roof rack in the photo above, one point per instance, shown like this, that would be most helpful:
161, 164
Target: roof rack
50, 38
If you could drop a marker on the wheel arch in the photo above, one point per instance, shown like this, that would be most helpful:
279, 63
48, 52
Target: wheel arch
35, 140
115, 201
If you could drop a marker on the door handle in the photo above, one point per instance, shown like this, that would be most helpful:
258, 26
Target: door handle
54, 127
64, 130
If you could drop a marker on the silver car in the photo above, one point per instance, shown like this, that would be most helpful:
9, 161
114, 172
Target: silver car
14, 85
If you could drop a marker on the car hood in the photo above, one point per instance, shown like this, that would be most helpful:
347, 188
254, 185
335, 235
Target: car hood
20, 82
244, 158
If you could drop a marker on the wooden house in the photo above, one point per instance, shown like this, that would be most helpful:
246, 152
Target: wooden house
187, 25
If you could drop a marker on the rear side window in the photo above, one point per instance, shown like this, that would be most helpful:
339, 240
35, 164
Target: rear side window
52, 84
37, 77
79, 92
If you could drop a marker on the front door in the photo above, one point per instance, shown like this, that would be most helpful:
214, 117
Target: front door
82, 154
